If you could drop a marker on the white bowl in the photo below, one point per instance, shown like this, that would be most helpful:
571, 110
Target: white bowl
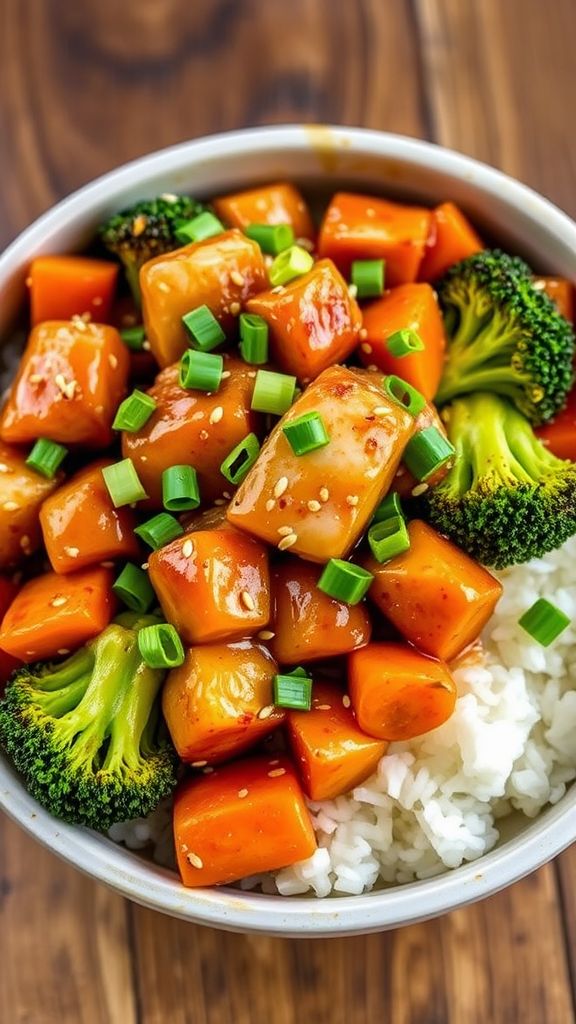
323, 158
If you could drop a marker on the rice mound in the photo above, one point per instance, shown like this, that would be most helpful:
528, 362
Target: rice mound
435, 802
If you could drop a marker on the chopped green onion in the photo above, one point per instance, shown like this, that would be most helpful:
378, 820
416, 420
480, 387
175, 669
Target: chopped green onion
46, 457
402, 343
200, 371
159, 530
306, 433
293, 691
290, 263
368, 278
390, 507
544, 622
427, 452
205, 225
272, 238
134, 588
123, 483
273, 392
160, 646
344, 581
299, 671
241, 459
134, 412
203, 329
253, 339
404, 394
180, 489
388, 538
134, 337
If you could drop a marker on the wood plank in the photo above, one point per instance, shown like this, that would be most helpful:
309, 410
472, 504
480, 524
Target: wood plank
566, 874
64, 941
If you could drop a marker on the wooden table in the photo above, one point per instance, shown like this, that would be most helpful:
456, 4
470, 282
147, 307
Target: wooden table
88, 84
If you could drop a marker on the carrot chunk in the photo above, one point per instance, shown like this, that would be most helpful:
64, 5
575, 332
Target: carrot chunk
438, 597
359, 227
281, 203
23, 491
561, 292
220, 702
70, 542
53, 614
452, 238
65, 286
213, 585
219, 272
307, 624
314, 321
8, 663
71, 379
398, 693
560, 435
245, 818
413, 306
331, 752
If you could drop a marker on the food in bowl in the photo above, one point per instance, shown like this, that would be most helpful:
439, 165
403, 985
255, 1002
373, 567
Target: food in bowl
340, 446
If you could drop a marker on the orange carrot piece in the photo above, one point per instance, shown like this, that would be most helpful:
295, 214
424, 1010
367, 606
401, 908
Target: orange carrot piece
213, 585
398, 693
71, 379
245, 818
53, 614
359, 227
80, 525
220, 701
220, 272
8, 663
438, 597
307, 624
23, 491
452, 238
184, 429
65, 286
328, 496
314, 321
560, 436
331, 752
561, 291
281, 203
412, 306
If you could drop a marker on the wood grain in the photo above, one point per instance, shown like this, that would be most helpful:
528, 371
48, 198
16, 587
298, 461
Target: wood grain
87, 85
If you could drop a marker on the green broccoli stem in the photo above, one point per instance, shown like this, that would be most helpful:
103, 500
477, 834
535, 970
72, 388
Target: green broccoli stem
132, 271
129, 724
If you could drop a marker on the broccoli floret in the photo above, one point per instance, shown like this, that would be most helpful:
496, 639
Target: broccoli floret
507, 498
145, 230
84, 734
504, 336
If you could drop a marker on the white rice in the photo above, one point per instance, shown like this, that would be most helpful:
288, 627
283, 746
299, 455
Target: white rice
435, 802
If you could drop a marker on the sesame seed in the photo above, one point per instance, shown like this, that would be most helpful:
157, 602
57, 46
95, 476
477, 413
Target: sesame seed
57, 602
285, 531
235, 308
207, 771
248, 601
146, 345
227, 495
63, 650
366, 347
419, 489
266, 634
71, 552
323, 707
242, 793
281, 486
35, 378
362, 333
279, 288
199, 764
219, 501
79, 323
113, 360
352, 500
4, 468
216, 414
270, 504
324, 494
372, 367
313, 506
346, 700
266, 711
195, 860
10, 506
187, 548
305, 243
273, 762
163, 287
203, 435
276, 773
145, 565
225, 375
287, 542
251, 373
25, 541
199, 415
352, 291
139, 224
380, 410
169, 197
237, 278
